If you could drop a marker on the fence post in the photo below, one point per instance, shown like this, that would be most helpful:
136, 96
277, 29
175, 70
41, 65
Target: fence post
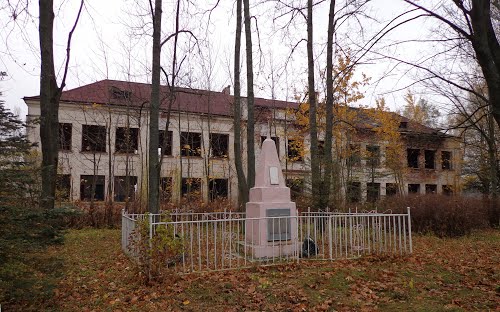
150, 244
409, 229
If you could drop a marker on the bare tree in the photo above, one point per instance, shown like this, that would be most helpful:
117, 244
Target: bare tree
250, 97
153, 192
242, 182
472, 21
50, 94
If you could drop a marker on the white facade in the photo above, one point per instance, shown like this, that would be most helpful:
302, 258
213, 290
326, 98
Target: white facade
77, 162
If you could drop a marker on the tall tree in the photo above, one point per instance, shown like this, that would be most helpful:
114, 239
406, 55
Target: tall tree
472, 21
313, 128
242, 182
327, 153
154, 177
250, 98
50, 94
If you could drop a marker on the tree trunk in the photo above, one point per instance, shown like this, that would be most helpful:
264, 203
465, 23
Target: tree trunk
49, 107
487, 50
313, 128
250, 98
153, 206
238, 162
327, 155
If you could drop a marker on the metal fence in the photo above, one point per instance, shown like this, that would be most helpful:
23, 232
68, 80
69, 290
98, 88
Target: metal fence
220, 241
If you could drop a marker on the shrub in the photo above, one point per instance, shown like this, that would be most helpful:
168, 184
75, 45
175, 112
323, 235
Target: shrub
444, 216
156, 255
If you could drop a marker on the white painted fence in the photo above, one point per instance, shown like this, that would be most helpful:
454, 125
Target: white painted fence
217, 241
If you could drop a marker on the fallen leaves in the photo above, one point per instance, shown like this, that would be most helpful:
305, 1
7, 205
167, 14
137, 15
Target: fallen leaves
443, 274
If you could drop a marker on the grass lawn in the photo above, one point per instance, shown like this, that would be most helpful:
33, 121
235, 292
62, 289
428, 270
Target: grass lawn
443, 274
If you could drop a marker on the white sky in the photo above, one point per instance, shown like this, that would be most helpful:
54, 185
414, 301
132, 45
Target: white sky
102, 40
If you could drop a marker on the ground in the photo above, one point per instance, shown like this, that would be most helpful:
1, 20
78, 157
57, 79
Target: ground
459, 274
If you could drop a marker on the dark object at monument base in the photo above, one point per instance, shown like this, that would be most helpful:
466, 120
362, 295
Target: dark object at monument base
309, 248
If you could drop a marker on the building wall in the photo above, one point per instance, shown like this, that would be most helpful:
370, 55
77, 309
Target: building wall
77, 162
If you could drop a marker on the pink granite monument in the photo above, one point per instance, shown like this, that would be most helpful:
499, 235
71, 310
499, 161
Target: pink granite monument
269, 236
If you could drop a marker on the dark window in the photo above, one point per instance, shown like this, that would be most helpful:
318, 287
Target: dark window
218, 188
446, 160
354, 157
168, 143
87, 191
127, 140
413, 188
190, 144
391, 189
276, 142
63, 187
430, 189
93, 138
353, 192
191, 187
296, 187
447, 190
403, 125
430, 157
125, 190
372, 192
65, 132
295, 150
321, 147
165, 189
219, 144
412, 157
373, 155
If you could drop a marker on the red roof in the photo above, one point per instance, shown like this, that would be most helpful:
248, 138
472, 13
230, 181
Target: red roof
123, 93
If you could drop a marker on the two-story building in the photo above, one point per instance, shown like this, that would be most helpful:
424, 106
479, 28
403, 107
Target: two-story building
104, 144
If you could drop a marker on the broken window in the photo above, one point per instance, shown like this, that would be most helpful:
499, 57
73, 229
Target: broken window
354, 157
391, 189
430, 159
63, 187
165, 189
373, 155
125, 188
321, 148
276, 142
165, 141
295, 150
219, 144
430, 189
446, 160
191, 187
447, 189
372, 192
65, 132
218, 188
92, 186
413, 188
412, 157
93, 138
127, 140
353, 192
190, 144
296, 187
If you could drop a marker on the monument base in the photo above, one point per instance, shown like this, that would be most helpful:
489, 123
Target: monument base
272, 250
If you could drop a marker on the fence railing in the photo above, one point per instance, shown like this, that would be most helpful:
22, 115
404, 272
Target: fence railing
220, 241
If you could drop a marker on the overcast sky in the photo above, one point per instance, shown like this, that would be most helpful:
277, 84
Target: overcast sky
107, 44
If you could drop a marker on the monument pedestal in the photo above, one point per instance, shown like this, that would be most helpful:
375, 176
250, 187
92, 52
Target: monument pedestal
271, 226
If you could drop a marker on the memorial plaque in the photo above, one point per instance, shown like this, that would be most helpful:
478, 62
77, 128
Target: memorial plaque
278, 229
273, 174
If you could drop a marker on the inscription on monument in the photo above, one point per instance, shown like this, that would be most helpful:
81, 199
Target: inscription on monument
278, 229
273, 174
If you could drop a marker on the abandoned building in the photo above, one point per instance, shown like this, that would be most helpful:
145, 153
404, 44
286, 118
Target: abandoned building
104, 143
